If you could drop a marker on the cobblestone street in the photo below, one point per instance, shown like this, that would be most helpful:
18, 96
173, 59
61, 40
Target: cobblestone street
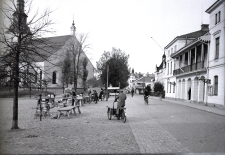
160, 127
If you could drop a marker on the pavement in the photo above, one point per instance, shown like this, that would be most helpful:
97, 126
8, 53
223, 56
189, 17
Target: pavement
215, 110
159, 128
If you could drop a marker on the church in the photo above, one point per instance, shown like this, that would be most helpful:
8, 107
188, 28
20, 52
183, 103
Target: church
42, 63
51, 68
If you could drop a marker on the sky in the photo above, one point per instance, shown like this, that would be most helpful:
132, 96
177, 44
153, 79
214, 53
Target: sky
140, 28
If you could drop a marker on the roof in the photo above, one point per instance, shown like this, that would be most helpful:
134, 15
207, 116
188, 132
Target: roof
145, 79
204, 38
214, 5
160, 67
192, 35
45, 47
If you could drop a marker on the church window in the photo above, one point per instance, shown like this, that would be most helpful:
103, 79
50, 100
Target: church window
54, 77
40, 75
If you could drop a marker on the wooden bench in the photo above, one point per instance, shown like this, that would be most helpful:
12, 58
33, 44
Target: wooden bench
67, 109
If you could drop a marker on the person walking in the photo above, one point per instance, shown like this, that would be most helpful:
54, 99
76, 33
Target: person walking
89, 96
146, 94
95, 96
132, 92
100, 94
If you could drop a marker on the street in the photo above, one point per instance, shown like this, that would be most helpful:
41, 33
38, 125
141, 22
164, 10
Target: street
160, 127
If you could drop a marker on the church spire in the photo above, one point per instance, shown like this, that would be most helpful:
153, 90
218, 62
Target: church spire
19, 23
73, 29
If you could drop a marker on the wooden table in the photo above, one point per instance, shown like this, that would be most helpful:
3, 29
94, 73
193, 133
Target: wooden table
87, 98
67, 109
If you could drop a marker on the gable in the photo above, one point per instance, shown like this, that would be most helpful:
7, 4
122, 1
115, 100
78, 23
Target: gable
46, 47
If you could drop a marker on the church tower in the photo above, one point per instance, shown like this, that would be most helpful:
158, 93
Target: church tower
19, 24
73, 29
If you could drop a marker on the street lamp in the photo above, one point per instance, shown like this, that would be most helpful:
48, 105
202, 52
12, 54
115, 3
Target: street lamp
208, 81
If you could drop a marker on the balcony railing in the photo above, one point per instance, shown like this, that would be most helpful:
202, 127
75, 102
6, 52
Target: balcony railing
189, 68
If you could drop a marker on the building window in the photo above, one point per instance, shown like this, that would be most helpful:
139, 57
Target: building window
54, 78
217, 47
217, 17
175, 48
215, 85
171, 68
171, 50
170, 87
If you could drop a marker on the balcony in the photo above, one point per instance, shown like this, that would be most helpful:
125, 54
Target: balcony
189, 68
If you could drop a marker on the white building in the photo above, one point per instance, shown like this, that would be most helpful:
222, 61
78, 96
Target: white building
160, 71
131, 81
184, 58
216, 61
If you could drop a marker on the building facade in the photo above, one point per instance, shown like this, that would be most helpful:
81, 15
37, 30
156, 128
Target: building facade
216, 60
184, 59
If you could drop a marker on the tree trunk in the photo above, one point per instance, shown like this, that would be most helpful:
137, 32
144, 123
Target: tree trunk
16, 85
74, 74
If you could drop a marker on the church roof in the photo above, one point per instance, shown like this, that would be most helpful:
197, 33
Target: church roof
45, 47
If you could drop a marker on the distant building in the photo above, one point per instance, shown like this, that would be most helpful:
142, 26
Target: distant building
131, 81
141, 83
160, 71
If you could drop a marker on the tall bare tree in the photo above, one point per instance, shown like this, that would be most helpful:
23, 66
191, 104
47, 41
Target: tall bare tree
85, 72
20, 45
77, 46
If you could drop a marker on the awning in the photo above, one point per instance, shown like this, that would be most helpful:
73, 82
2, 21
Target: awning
205, 38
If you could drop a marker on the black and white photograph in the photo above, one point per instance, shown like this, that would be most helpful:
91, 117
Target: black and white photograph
112, 77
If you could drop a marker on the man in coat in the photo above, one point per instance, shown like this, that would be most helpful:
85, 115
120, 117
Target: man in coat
121, 101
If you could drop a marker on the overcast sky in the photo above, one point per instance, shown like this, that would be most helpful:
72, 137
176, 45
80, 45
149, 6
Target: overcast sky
128, 25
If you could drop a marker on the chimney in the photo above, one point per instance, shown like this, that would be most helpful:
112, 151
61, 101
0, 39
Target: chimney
205, 27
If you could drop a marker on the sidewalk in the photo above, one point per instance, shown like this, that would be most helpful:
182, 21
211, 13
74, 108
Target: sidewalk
194, 105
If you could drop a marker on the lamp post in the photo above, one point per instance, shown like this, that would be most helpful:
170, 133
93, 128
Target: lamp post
206, 82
